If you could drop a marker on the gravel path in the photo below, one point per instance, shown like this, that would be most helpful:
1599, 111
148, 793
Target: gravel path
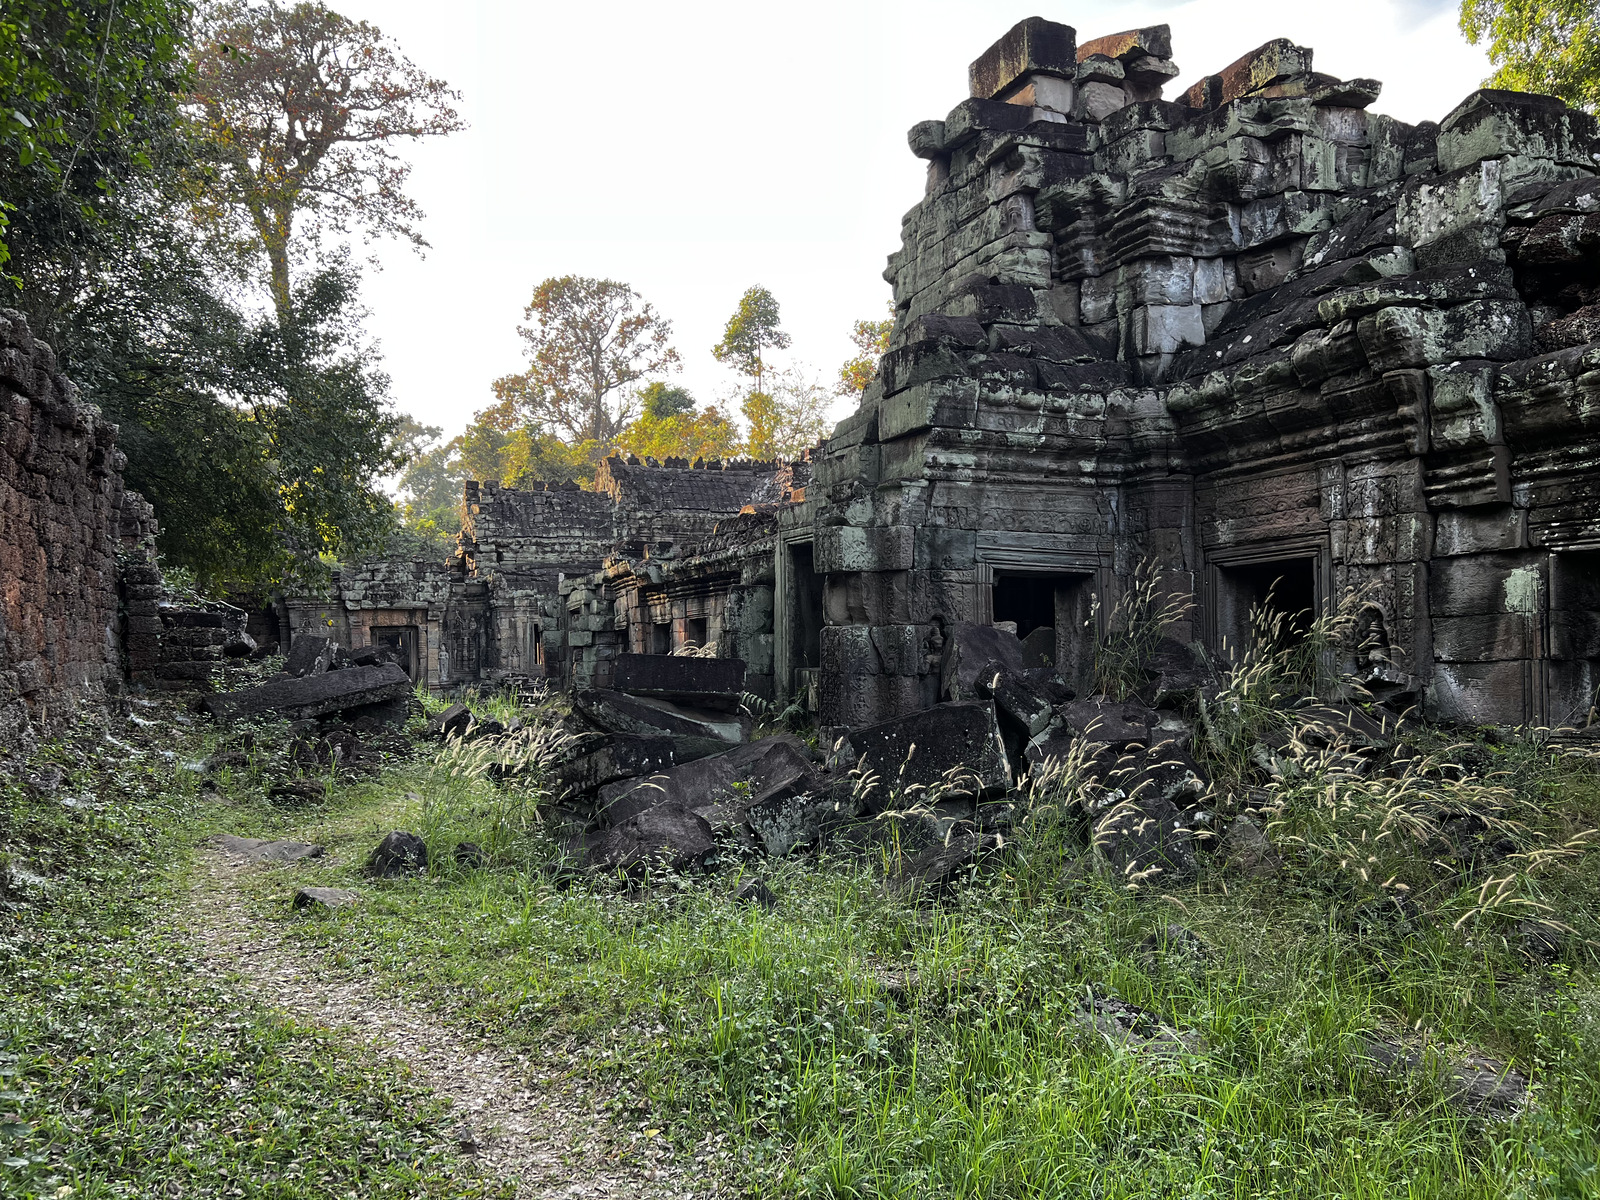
521, 1119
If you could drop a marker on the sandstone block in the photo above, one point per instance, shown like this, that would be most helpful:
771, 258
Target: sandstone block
1030, 46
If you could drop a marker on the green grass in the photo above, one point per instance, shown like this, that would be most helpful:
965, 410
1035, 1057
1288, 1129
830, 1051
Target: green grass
129, 1074
780, 1028
790, 1033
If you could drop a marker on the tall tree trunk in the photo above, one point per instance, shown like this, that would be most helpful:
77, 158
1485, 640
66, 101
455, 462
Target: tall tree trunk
278, 258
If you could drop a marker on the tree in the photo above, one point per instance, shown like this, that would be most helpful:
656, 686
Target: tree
750, 333
300, 106
88, 94
680, 434
1547, 46
872, 343
258, 440
259, 444
789, 419
594, 337
660, 401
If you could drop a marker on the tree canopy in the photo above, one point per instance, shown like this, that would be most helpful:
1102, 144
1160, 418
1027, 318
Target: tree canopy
1547, 46
88, 98
252, 409
300, 106
789, 418
591, 339
753, 329
871, 340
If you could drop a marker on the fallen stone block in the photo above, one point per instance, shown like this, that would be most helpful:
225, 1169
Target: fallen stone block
398, 854
969, 650
313, 695
261, 850
1247, 849
1134, 1028
939, 869
607, 758
695, 732
1145, 843
713, 683
240, 645
325, 899
1015, 699
952, 748
756, 891
1163, 773
1324, 725
786, 819
739, 778
1175, 675
1114, 722
310, 655
666, 835
452, 722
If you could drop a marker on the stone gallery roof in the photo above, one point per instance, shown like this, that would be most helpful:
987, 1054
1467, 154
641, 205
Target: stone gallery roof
717, 488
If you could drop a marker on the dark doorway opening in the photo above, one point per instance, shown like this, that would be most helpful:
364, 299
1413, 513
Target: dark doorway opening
1285, 588
805, 627
1574, 639
1051, 610
661, 637
1029, 600
401, 643
694, 632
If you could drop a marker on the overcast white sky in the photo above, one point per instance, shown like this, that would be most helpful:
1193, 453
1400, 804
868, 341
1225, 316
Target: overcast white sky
692, 150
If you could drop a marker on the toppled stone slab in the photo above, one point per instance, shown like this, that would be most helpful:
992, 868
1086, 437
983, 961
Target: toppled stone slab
972, 651
310, 655
606, 758
398, 854
756, 891
1134, 1028
714, 683
452, 722
1021, 705
1114, 722
954, 748
1247, 849
1328, 724
325, 899
666, 835
695, 732
1479, 1086
312, 696
262, 850
736, 779
1145, 843
938, 869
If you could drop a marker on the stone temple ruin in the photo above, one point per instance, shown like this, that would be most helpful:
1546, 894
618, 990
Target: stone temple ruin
1272, 340
1277, 344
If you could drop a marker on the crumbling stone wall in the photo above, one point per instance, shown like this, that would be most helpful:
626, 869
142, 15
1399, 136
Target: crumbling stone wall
402, 604
60, 503
1256, 331
664, 507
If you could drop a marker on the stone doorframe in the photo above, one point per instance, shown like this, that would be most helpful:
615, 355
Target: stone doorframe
1216, 560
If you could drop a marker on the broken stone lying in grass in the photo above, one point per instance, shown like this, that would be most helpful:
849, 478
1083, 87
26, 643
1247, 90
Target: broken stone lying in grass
950, 750
324, 899
398, 854
261, 850
694, 732
313, 696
